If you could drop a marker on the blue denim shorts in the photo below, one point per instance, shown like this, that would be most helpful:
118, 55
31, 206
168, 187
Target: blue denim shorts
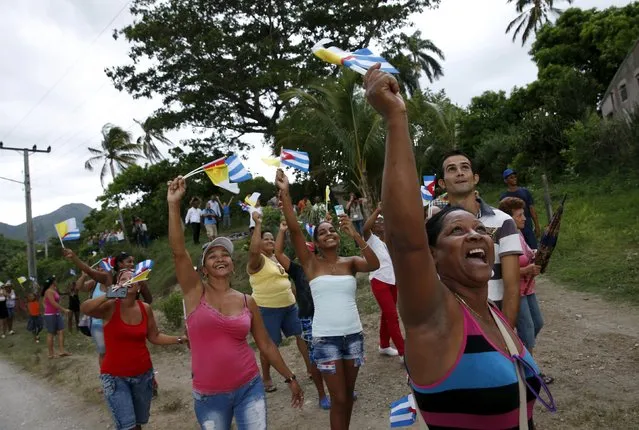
327, 350
281, 320
54, 323
11, 312
128, 398
247, 404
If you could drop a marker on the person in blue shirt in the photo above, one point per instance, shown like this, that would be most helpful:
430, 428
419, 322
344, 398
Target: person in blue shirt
210, 221
226, 214
514, 190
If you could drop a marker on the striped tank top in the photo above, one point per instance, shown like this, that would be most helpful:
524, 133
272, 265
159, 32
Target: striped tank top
480, 391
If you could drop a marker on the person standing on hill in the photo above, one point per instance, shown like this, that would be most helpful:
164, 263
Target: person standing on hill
514, 190
210, 221
11, 306
194, 218
383, 287
226, 214
459, 181
355, 209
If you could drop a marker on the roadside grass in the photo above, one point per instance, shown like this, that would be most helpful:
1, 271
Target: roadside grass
598, 246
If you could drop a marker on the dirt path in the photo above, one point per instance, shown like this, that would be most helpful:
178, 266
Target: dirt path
590, 346
26, 403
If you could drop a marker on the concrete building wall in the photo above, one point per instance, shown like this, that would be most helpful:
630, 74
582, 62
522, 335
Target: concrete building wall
622, 96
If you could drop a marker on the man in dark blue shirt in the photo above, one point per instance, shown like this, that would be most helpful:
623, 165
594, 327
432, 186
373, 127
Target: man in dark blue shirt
514, 190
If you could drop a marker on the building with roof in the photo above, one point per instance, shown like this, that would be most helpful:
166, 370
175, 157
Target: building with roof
622, 96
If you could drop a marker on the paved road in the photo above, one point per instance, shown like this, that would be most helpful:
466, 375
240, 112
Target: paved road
26, 403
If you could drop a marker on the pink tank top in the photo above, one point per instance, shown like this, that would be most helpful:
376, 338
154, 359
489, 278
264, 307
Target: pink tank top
221, 358
49, 309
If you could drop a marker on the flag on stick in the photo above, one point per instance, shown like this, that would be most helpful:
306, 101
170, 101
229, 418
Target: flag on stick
359, 61
67, 230
403, 412
142, 266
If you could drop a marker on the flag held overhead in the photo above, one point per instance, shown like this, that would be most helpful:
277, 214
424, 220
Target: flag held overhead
359, 61
67, 230
237, 171
297, 159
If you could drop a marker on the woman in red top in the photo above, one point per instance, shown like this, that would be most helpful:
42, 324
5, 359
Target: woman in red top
126, 372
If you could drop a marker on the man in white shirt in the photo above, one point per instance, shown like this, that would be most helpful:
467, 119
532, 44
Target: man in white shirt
383, 286
194, 218
215, 205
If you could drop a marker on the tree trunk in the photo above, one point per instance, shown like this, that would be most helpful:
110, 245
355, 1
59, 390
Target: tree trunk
366, 193
118, 205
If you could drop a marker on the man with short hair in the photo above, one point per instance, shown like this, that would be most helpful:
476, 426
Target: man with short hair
514, 190
459, 180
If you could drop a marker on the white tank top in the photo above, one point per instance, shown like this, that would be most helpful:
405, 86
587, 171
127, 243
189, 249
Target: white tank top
336, 311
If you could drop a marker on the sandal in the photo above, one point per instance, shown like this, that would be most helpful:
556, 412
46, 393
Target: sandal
547, 379
51, 357
65, 354
270, 387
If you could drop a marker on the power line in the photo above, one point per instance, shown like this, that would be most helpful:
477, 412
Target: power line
64, 75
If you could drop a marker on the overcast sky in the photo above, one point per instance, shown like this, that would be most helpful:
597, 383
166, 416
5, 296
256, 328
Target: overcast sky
54, 90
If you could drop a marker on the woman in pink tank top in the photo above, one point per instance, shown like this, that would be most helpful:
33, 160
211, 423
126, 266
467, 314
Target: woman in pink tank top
226, 380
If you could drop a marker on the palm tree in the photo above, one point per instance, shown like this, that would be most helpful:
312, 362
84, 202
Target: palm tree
147, 141
341, 132
411, 55
533, 18
117, 152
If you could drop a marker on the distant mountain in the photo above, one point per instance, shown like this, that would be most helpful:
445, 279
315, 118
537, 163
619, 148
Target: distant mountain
43, 224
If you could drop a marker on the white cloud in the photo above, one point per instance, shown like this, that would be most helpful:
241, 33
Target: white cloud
42, 39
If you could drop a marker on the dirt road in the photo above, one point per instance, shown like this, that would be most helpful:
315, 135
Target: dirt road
590, 346
26, 403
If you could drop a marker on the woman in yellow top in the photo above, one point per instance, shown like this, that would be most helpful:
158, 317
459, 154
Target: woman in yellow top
274, 296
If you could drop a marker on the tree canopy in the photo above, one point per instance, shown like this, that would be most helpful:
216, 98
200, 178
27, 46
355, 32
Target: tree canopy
219, 66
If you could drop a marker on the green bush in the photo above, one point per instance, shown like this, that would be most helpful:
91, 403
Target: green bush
271, 219
172, 308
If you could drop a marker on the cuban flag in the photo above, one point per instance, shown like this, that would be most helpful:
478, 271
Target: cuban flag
244, 206
296, 159
237, 171
403, 412
106, 264
429, 186
142, 266
310, 229
365, 58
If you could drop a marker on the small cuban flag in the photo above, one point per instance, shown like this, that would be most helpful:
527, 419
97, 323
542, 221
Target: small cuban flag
237, 171
244, 206
142, 266
403, 412
297, 159
429, 184
106, 264
310, 229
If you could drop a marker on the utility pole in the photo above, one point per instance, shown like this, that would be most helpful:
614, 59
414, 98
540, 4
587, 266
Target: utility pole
31, 251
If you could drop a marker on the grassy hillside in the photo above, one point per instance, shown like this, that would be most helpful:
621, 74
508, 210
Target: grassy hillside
598, 247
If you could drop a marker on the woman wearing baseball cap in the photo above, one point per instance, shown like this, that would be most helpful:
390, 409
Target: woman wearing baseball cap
226, 380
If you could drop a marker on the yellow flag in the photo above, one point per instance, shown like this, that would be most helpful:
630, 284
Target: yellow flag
139, 278
218, 174
62, 228
271, 161
22, 280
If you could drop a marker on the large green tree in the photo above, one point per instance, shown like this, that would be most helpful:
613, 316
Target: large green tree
592, 42
220, 66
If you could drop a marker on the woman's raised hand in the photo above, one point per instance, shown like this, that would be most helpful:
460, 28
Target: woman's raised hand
281, 180
177, 189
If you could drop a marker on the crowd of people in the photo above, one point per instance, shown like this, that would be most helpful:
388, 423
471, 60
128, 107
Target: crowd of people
465, 288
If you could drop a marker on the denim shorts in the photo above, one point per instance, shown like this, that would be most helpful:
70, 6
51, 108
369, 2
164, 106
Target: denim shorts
97, 334
281, 320
128, 398
11, 312
327, 350
247, 404
54, 323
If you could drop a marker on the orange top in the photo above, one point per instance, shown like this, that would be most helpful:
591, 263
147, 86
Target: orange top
34, 308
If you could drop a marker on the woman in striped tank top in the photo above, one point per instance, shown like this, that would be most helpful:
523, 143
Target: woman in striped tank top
461, 372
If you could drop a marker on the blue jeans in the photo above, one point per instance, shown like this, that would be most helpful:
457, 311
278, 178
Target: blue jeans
247, 404
281, 320
529, 321
128, 398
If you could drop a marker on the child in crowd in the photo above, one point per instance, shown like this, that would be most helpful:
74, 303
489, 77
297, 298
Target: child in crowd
35, 324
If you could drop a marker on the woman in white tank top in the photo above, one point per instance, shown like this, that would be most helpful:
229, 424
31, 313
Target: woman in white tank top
338, 342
